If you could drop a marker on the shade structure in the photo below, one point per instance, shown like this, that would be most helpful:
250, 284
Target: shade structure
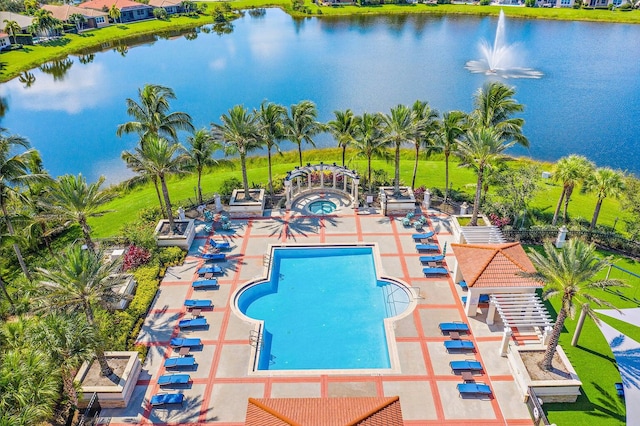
521, 310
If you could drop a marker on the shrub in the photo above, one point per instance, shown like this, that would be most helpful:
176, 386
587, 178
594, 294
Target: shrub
228, 185
485, 2
171, 256
159, 13
134, 257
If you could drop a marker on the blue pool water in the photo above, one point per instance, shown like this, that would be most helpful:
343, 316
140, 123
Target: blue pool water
322, 309
322, 207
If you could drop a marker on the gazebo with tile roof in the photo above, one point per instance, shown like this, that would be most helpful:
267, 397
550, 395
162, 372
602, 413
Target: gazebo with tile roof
492, 269
362, 411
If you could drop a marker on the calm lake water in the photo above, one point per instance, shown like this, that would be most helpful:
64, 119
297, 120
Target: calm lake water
587, 102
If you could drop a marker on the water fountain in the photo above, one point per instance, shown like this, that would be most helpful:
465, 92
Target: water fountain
500, 59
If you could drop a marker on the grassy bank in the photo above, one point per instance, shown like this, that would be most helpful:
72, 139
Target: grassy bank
14, 62
430, 174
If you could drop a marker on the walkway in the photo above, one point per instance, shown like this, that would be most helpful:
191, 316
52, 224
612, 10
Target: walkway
221, 383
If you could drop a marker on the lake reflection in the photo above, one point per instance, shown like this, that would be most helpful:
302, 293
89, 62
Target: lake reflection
583, 104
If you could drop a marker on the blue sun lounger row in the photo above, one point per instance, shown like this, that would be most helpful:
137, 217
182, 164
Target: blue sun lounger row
422, 236
474, 389
210, 269
220, 245
214, 257
166, 398
465, 365
193, 322
173, 379
427, 247
198, 303
453, 326
435, 271
179, 342
177, 362
434, 258
484, 298
466, 345
205, 283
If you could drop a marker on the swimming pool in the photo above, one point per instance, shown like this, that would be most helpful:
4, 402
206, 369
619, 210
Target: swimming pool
321, 207
323, 308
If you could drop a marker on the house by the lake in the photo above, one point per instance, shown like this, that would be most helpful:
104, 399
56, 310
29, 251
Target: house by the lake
94, 18
129, 10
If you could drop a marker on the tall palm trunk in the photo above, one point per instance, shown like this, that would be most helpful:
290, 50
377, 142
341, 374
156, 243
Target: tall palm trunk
415, 167
105, 370
553, 340
557, 212
344, 153
155, 184
446, 176
167, 203
269, 167
199, 186
86, 231
3, 286
567, 198
69, 389
300, 152
245, 180
16, 247
596, 213
369, 176
396, 185
476, 202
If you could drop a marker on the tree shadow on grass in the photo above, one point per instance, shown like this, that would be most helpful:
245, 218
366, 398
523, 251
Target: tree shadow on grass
122, 27
59, 42
607, 405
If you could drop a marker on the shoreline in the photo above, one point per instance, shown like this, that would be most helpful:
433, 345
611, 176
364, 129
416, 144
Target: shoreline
19, 61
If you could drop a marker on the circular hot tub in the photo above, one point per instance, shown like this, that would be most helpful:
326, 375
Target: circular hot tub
321, 207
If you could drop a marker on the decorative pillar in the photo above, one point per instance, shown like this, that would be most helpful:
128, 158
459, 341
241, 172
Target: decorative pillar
217, 203
471, 307
491, 313
344, 182
356, 182
334, 179
504, 345
426, 202
321, 175
464, 208
299, 184
562, 237
309, 180
287, 191
546, 335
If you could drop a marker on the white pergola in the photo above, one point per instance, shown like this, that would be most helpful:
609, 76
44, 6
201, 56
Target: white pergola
482, 235
519, 310
293, 182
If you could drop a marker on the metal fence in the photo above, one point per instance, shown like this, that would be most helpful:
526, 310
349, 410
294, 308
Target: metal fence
535, 409
91, 413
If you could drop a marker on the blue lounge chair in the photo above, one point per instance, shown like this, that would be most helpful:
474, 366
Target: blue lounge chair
167, 398
198, 303
463, 285
484, 298
465, 365
177, 362
422, 236
434, 258
210, 269
220, 245
619, 389
466, 345
453, 326
173, 379
179, 342
434, 271
205, 283
193, 322
214, 257
427, 247
474, 389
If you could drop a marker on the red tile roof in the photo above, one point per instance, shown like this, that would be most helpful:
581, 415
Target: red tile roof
63, 12
494, 265
365, 411
120, 4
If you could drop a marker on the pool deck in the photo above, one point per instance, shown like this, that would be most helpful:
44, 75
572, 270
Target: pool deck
221, 383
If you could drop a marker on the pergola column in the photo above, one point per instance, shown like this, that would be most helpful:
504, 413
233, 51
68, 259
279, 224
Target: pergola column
321, 176
287, 192
491, 314
344, 182
473, 297
335, 175
354, 189
309, 180
546, 335
299, 184
504, 344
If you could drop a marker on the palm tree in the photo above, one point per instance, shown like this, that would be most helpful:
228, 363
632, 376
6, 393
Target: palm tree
426, 122
44, 22
481, 147
159, 157
202, 146
569, 170
14, 171
447, 138
73, 199
151, 116
604, 182
343, 129
80, 281
12, 28
240, 133
399, 127
570, 273
79, 20
494, 107
138, 165
270, 119
369, 141
114, 12
301, 125
67, 340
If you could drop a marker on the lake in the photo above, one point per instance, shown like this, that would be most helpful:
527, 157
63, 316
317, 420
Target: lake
587, 102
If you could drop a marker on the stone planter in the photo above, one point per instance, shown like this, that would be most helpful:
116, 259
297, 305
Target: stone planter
394, 205
182, 236
565, 389
112, 392
241, 208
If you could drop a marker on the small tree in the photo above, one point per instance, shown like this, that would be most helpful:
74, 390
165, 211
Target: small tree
604, 182
79, 21
114, 13
159, 13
